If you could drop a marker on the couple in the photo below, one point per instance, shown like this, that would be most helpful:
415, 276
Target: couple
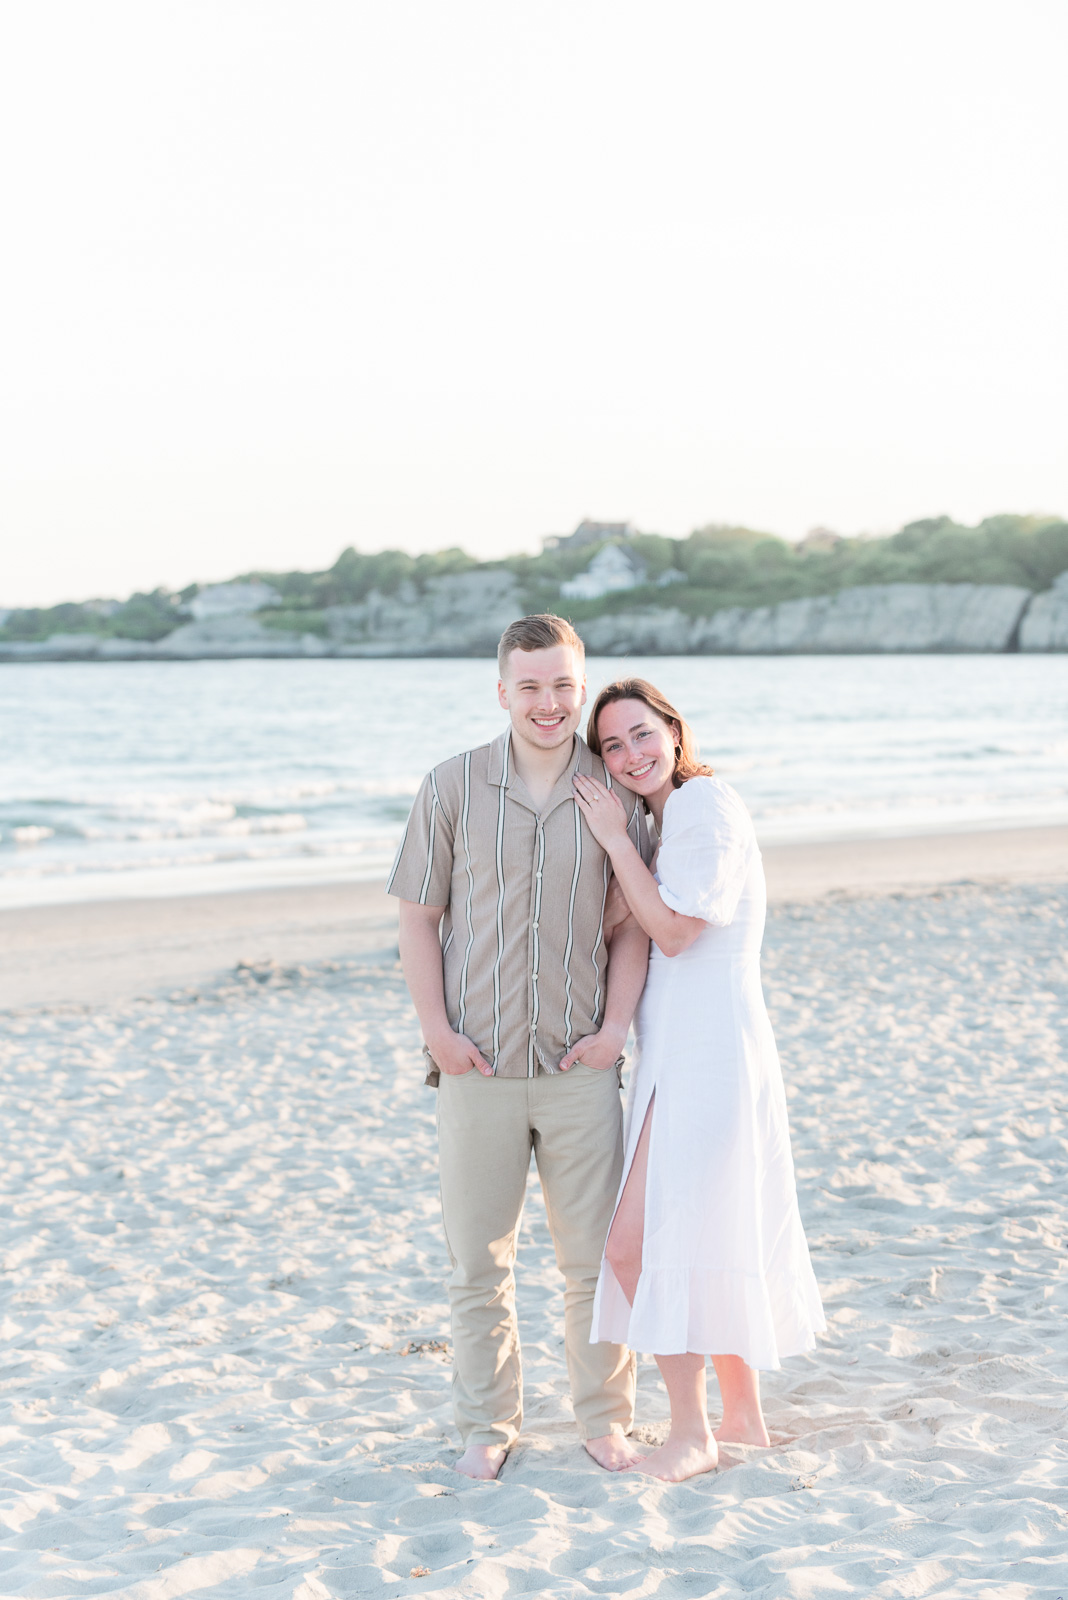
527, 904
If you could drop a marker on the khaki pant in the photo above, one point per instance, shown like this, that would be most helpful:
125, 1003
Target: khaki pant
487, 1128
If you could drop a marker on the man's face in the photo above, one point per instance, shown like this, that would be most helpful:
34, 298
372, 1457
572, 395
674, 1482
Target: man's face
544, 692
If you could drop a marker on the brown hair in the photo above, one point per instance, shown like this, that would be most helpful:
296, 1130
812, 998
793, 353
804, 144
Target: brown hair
687, 760
540, 632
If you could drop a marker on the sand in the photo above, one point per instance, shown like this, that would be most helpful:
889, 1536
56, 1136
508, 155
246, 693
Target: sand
106, 950
226, 1330
87, 953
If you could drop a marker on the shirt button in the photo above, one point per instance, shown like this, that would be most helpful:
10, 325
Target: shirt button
535, 927
533, 1029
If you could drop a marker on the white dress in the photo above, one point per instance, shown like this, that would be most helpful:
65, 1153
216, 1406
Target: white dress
725, 1265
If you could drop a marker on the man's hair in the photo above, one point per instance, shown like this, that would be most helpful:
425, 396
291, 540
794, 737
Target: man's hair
541, 632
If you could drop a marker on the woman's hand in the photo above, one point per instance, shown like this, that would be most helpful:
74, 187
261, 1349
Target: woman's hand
598, 1050
603, 810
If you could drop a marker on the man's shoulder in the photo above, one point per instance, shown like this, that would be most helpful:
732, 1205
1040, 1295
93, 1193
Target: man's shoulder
588, 763
451, 776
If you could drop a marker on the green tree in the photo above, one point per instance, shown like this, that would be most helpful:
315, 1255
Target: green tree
145, 617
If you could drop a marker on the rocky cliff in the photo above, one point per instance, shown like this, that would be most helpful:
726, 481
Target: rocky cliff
217, 638
464, 614
899, 617
461, 615
1045, 623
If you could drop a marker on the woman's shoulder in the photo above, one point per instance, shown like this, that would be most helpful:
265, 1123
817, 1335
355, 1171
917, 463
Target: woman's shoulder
707, 799
707, 793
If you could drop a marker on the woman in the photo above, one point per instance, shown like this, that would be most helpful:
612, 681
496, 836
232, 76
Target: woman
706, 1253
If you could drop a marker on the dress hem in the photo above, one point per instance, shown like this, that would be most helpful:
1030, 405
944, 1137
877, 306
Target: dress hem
678, 1311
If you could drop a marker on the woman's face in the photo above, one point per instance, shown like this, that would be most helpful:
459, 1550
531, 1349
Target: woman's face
638, 747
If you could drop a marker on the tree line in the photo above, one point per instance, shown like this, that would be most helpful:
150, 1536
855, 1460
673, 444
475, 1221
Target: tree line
716, 566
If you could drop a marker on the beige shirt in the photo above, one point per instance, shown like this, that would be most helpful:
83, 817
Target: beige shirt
523, 950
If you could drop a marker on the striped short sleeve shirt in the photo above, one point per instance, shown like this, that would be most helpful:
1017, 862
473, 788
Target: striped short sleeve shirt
523, 892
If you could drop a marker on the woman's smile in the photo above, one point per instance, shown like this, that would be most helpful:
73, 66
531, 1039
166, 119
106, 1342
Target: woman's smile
638, 748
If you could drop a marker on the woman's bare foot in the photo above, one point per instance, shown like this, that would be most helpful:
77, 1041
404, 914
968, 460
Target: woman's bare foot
743, 1430
613, 1451
480, 1461
680, 1458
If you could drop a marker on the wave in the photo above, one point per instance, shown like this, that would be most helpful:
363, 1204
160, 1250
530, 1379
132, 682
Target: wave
272, 787
193, 827
376, 849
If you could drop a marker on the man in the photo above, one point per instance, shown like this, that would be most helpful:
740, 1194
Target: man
524, 1020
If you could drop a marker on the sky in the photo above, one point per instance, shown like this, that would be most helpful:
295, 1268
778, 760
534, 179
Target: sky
288, 275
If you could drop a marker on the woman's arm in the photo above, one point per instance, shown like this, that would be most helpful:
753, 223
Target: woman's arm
607, 821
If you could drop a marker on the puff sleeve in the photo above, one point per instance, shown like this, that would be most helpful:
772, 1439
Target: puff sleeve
706, 851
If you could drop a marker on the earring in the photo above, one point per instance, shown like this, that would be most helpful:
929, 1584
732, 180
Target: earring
678, 751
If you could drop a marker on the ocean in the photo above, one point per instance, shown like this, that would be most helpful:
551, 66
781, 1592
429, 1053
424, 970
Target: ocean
175, 777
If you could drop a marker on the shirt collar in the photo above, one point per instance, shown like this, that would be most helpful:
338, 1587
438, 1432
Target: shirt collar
500, 769
501, 773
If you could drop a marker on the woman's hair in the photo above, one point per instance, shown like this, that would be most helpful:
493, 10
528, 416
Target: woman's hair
687, 761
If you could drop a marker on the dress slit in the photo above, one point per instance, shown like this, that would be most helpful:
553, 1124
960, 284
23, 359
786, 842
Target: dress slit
625, 1180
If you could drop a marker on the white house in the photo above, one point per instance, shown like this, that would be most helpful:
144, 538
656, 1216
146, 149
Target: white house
611, 568
226, 599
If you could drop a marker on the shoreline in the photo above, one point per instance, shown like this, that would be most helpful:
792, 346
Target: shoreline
613, 650
87, 953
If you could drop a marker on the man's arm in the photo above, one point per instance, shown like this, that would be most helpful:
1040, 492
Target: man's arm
420, 953
628, 962
628, 965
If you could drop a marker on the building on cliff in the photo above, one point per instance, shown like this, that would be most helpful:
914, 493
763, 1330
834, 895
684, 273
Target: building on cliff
819, 539
612, 568
230, 599
589, 532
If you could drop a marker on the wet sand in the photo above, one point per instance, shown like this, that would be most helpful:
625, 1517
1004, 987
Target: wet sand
89, 953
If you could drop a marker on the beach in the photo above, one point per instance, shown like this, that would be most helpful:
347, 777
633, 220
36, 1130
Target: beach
225, 1317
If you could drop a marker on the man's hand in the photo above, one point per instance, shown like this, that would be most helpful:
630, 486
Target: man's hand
598, 1050
420, 952
455, 1054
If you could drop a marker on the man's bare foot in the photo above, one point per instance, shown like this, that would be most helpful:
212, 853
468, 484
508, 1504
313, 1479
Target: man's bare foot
480, 1461
742, 1430
613, 1451
680, 1458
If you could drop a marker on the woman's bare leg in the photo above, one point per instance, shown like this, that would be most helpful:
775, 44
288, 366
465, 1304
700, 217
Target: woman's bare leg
739, 1388
689, 1447
627, 1234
